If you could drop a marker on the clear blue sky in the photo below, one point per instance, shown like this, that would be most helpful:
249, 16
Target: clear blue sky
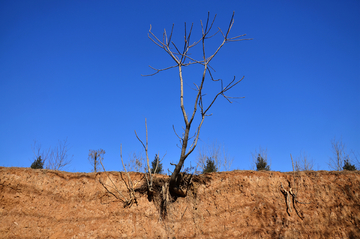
72, 69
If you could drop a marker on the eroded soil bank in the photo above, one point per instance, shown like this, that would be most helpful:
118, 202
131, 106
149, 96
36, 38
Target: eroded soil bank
237, 204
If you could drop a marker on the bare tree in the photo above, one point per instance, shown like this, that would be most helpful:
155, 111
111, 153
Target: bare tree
261, 154
39, 152
356, 159
336, 162
183, 58
227, 160
54, 158
303, 163
95, 157
59, 157
136, 162
216, 152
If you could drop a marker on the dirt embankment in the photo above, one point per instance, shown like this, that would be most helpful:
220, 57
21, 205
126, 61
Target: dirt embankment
237, 204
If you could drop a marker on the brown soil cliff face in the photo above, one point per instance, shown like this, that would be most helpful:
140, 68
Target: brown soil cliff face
237, 204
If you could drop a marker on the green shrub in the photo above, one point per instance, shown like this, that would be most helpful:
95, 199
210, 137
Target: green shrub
210, 166
261, 164
348, 166
38, 163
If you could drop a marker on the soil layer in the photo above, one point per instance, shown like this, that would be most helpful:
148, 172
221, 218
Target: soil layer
238, 204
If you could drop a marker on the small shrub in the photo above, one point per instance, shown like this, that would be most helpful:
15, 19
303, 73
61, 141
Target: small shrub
210, 166
348, 166
38, 163
261, 164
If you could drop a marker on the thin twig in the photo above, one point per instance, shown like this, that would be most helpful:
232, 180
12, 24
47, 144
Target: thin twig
110, 191
150, 179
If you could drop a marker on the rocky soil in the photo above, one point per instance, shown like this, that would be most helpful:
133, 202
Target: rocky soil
237, 204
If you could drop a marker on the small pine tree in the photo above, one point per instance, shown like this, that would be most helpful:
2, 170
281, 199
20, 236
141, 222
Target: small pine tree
210, 166
348, 165
159, 169
38, 163
261, 164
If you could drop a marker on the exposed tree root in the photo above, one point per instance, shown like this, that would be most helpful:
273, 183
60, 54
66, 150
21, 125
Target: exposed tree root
291, 193
294, 200
163, 197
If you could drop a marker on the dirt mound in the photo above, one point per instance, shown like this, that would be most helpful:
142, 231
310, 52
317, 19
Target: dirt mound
238, 204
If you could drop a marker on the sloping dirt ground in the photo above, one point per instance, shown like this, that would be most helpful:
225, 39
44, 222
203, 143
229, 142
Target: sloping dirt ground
237, 204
